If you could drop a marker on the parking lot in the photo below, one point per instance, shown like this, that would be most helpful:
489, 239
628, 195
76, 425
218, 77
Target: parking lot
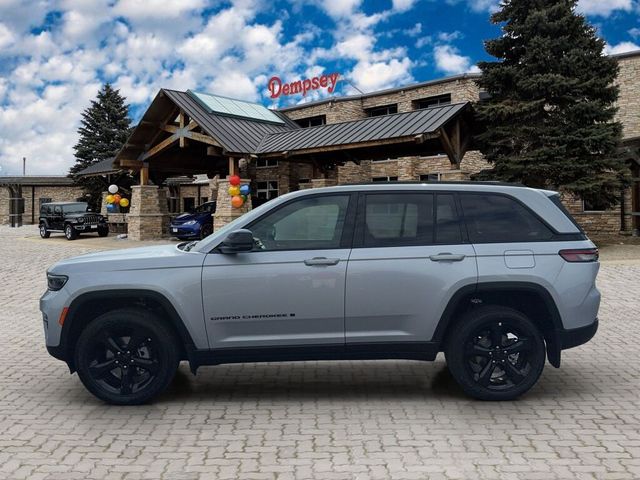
324, 420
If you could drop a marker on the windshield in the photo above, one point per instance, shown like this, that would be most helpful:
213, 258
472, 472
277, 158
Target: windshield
204, 208
79, 207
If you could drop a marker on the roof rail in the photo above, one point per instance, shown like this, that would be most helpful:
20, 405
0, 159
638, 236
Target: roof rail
440, 182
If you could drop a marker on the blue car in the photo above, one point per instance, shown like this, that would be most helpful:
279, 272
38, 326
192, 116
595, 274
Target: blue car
197, 223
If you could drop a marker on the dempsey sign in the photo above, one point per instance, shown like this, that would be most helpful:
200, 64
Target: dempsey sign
277, 88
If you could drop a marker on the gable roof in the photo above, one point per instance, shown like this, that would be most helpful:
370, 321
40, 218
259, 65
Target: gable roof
103, 167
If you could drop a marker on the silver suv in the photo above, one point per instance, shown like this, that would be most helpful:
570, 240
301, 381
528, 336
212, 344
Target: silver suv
497, 277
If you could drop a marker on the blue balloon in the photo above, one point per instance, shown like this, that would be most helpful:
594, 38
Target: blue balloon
245, 189
111, 207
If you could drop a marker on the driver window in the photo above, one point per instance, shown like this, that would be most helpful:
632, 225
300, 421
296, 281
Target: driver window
57, 210
310, 223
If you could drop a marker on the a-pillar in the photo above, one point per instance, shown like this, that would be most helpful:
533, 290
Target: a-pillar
148, 217
225, 212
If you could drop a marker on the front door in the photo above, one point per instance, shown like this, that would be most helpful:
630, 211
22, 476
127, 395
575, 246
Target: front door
58, 218
289, 291
409, 258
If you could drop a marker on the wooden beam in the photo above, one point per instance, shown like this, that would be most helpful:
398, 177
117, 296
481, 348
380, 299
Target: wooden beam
201, 137
191, 125
131, 164
167, 142
144, 174
182, 120
448, 147
171, 128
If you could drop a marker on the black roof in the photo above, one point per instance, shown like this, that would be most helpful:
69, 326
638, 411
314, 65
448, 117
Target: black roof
49, 180
398, 125
102, 167
235, 134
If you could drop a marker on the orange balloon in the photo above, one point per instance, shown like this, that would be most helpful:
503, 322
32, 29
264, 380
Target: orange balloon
117, 198
237, 201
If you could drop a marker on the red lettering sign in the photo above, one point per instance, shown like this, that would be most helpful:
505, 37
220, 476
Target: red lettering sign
277, 88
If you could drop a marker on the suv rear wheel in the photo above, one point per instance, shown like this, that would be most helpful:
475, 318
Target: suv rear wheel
126, 357
70, 232
495, 353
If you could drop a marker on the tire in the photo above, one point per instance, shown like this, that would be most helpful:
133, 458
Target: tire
103, 232
205, 231
126, 356
495, 353
70, 232
44, 231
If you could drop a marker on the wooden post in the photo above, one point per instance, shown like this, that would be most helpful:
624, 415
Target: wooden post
234, 166
144, 174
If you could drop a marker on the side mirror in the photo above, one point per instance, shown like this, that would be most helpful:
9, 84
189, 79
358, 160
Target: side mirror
237, 241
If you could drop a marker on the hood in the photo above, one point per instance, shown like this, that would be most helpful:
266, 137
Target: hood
185, 217
141, 258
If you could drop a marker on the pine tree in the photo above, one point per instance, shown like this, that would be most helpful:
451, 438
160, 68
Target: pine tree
104, 129
549, 121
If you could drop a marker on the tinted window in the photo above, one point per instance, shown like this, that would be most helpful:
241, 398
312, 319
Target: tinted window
447, 220
499, 219
310, 223
398, 220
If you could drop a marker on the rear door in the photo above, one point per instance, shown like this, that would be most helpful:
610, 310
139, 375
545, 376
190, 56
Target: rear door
410, 256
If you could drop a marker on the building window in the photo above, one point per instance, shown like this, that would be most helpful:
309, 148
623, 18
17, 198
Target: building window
384, 179
266, 162
594, 204
431, 177
267, 190
312, 121
189, 204
382, 110
434, 101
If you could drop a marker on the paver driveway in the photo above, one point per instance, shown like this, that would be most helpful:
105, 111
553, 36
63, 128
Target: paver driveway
341, 420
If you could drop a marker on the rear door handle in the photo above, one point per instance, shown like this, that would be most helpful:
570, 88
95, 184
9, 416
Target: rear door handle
320, 261
446, 257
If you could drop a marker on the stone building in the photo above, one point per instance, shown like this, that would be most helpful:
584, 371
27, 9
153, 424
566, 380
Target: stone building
34, 191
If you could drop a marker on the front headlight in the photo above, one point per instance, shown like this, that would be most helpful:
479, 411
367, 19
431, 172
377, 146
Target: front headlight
80, 219
56, 282
190, 222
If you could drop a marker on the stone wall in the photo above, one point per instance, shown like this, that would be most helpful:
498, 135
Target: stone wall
629, 100
148, 216
57, 193
225, 212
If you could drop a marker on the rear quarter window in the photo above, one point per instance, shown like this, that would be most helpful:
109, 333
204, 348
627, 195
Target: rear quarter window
492, 218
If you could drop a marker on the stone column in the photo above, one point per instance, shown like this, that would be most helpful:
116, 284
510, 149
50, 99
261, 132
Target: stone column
103, 204
225, 212
148, 217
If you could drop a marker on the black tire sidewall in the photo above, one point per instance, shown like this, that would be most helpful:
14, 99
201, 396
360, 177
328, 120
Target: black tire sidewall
468, 324
168, 354
72, 232
103, 232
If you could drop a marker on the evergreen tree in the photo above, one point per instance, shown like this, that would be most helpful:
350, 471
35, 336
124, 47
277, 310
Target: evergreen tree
549, 122
104, 129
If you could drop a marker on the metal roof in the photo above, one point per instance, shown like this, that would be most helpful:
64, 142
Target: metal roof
384, 127
53, 180
236, 135
103, 167
235, 107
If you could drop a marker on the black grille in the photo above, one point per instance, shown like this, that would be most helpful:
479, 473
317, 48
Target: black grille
92, 219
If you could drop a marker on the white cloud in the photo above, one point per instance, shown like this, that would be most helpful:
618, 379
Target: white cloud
6, 36
479, 6
403, 5
339, 8
622, 47
415, 30
374, 76
449, 60
603, 8
634, 32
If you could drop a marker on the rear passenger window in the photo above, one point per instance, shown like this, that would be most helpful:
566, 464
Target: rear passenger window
398, 220
447, 220
500, 219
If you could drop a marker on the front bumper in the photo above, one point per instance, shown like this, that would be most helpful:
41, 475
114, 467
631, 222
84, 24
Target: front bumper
91, 227
577, 336
181, 231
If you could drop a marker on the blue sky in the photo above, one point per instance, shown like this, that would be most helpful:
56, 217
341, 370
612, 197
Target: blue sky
55, 54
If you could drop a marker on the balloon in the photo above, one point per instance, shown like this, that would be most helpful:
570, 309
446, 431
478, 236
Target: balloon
245, 189
113, 189
124, 202
234, 180
237, 201
244, 197
234, 190
109, 199
116, 198
111, 207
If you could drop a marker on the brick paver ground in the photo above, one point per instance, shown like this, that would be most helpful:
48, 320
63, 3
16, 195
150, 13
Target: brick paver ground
340, 420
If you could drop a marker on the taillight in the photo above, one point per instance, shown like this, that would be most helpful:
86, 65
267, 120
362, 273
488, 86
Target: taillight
580, 255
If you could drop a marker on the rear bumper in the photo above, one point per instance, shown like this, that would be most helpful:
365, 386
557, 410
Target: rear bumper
577, 336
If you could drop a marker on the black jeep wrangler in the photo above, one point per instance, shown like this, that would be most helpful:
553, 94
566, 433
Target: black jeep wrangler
71, 218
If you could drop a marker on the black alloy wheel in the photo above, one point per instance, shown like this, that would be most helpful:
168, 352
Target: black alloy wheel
126, 357
103, 231
70, 232
44, 232
496, 353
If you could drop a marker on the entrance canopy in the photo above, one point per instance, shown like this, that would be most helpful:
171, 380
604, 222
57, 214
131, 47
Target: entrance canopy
192, 132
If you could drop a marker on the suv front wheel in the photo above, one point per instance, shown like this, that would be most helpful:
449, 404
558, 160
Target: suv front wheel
495, 353
126, 356
70, 232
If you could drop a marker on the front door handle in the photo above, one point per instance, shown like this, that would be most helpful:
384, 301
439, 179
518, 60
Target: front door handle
320, 261
447, 257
